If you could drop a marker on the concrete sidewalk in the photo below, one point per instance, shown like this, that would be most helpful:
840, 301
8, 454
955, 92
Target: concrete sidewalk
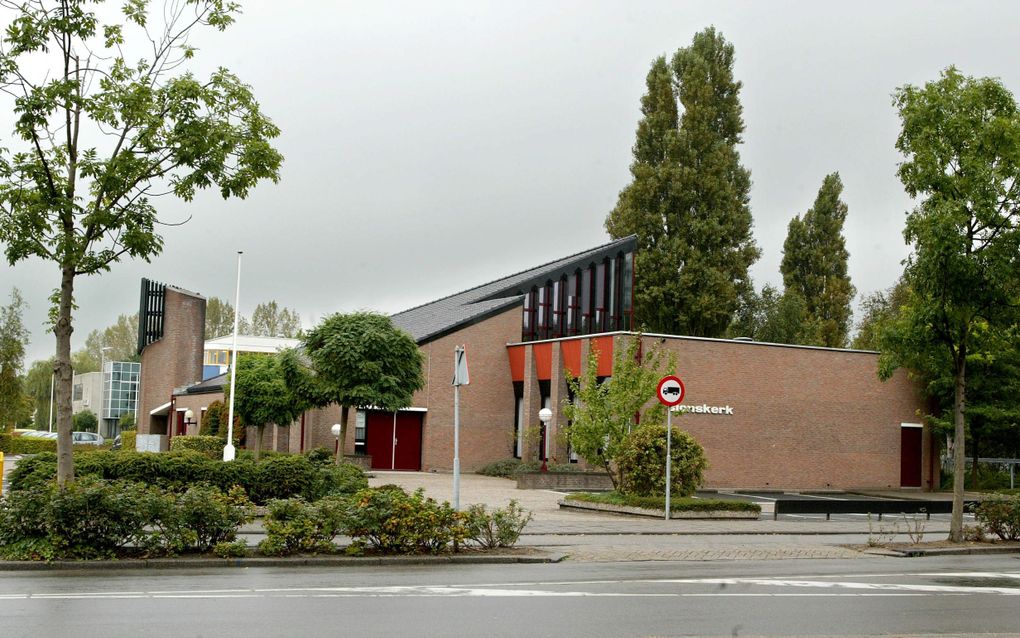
598, 537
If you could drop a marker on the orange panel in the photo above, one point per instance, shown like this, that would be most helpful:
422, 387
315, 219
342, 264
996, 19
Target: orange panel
543, 360
571, 351
516, 354
605, 348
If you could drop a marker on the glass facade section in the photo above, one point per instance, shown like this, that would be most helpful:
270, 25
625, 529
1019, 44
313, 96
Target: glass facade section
120, 388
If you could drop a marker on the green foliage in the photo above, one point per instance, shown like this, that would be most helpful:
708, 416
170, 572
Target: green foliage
961, 141
121, 338
269, 320
15, 405
128, 439
355, 360
210, 446
127, 421
642, 462
504, 468
262, 396
603, 414
219, 318
321, 456
276, 477
100, 135
395, 522
10, 444
814, 266
501, 527
214, 421
100, 519
85, 421
775, 318
232, 549
682, 504
878, 309
37, 387
689, 201
294, 526
1000, 515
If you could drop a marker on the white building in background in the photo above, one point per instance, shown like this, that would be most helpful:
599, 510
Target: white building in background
216, 358
109, 394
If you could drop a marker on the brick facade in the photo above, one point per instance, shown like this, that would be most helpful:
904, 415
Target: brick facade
175, 360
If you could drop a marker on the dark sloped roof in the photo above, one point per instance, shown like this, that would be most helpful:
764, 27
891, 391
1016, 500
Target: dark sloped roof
441, 317
212, 384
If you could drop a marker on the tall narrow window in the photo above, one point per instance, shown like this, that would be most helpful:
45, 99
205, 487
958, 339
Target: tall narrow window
627, 290
600, 297
518, 419
586, 300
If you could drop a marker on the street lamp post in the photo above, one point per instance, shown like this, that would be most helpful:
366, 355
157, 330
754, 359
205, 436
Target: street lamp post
189, 418
336, 429
545, 416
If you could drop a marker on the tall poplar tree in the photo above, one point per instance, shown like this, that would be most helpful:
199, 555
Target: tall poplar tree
814, 264
13, 339
688, 203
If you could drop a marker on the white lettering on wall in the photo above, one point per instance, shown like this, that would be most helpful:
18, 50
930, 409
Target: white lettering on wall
704, 409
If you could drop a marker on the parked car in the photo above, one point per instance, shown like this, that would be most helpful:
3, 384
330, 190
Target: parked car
87, 438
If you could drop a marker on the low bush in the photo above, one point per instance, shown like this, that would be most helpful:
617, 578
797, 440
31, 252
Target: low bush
393, 521
504, 468
682, 504
128, 440
210, 446
10, 444
295, 526
499, 528
642, 462
277, 477
321, 456
1000, 515
93, 518
233, 549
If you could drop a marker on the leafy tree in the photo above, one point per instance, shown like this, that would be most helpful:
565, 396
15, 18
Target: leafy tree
689, 199
269, 320
37, 387
775, 318
878, 308
86, 421
814, 264
262, 395
121, 338
355, 360
108, 121
961, 140
219, 318
602, 414
14, 406
127, 421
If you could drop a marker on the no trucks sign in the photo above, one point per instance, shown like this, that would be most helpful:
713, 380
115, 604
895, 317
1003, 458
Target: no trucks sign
671, 391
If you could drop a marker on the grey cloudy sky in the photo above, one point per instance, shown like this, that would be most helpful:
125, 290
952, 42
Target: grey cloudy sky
434, 146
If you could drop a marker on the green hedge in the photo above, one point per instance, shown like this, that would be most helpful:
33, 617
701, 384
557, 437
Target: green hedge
508, 468
683, 504
211, 446
276, 477
128, 440
93, 518
30, 445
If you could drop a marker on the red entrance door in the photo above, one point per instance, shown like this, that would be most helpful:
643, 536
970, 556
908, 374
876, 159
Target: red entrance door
910, 457
394, 444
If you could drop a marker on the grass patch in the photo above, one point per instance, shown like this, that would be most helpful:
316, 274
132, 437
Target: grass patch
679, 504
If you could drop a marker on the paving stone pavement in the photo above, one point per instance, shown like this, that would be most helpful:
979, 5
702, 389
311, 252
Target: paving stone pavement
598, 537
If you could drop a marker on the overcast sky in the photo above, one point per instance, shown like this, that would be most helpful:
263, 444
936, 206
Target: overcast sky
434, 146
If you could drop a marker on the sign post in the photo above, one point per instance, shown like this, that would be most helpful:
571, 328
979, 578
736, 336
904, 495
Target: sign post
460, 377
670, 393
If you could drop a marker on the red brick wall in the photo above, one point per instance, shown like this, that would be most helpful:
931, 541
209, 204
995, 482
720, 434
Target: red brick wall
803, 418
175, 360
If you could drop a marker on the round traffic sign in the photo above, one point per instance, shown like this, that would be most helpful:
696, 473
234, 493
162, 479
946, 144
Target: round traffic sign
671, 390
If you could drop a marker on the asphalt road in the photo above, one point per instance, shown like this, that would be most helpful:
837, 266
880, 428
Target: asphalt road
798, 597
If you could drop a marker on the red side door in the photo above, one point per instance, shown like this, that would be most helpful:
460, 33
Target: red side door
393, 444
910, 457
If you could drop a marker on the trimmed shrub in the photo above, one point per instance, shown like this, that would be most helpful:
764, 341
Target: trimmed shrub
26, 445
235, 549
321, 456
128, 440
393, 521
295, 526
642, 462
93, 518
276, 477
499, 528
681, 504
1000, 515
210, 446
504, 468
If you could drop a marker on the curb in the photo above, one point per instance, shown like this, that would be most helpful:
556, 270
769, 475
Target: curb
299, 561
953, 551
676, 515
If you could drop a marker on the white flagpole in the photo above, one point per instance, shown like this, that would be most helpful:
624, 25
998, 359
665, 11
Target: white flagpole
229, 452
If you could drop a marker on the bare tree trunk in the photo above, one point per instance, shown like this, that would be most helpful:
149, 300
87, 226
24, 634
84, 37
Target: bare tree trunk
258, 441
959, 456
64, 374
